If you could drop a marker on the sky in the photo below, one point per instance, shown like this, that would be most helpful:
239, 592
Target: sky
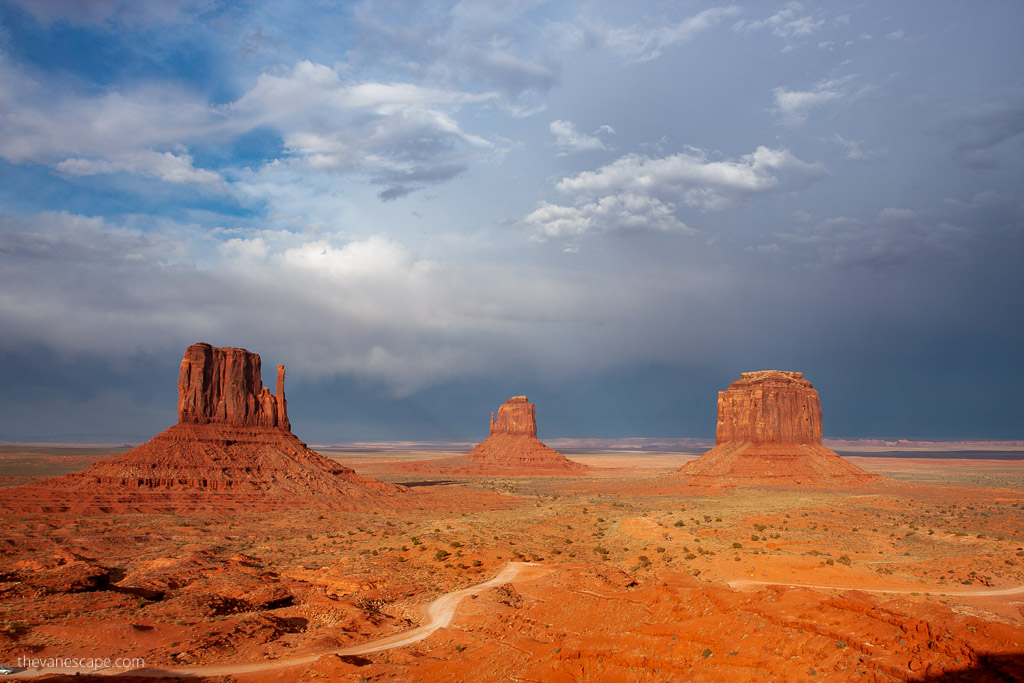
421, 209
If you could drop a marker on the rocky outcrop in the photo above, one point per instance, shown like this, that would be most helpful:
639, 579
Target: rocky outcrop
224, 386
769, 433
516, 417
770, 406
232, 448
511, 449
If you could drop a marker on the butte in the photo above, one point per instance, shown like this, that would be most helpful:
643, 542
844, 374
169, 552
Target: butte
769, 433
511, 449
232, 449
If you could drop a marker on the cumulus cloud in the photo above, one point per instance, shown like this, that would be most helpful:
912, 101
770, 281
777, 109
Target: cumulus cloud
793, 106
141, 130
693, 179
640, 193
613, 213
568, 139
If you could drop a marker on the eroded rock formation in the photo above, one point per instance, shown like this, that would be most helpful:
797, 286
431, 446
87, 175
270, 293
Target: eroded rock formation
511, 449
232, 447
224, 386
769, 432
516, 417
770, 406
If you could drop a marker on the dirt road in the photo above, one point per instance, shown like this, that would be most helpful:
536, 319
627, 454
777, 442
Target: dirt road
439, 614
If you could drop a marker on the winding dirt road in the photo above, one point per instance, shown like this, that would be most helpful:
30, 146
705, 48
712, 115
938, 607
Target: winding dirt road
439, 614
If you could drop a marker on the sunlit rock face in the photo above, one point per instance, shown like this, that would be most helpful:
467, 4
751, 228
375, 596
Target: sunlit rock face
769, 433
517, 417
224, 386
769, 406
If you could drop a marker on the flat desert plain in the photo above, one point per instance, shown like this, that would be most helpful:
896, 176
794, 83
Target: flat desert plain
626, 574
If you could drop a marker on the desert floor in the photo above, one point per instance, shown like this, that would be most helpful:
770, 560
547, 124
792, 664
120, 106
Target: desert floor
624, 575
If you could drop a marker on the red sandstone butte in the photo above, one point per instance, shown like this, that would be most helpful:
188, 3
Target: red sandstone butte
232, 447
511, 449
769, 432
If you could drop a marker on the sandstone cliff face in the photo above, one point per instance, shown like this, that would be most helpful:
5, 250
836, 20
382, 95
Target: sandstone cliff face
224, 386
769, 406
516, 417
769, 433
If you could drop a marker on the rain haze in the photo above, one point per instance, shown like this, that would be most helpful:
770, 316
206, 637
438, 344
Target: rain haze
421, 209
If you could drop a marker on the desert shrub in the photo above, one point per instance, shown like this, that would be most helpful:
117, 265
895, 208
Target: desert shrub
830, 562
441, 554
680, 522
600, 550
755, 537
844, 559
737, 545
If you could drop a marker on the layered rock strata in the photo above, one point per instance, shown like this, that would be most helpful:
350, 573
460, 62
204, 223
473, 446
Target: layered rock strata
769, 432
232, 447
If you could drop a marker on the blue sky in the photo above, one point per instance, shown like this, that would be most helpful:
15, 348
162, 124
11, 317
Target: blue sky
424, 208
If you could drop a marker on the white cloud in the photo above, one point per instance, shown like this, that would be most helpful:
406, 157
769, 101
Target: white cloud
612, 213
694, 180
568, 139
793, 106
398, 135
172, 168
640, 193
645, 43
789, 22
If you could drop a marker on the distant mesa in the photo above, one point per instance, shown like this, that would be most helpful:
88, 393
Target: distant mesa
232, 447
511, 449
769, 432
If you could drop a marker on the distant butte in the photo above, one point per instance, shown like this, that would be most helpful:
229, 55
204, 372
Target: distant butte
512, 448
769, 433
232, 448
